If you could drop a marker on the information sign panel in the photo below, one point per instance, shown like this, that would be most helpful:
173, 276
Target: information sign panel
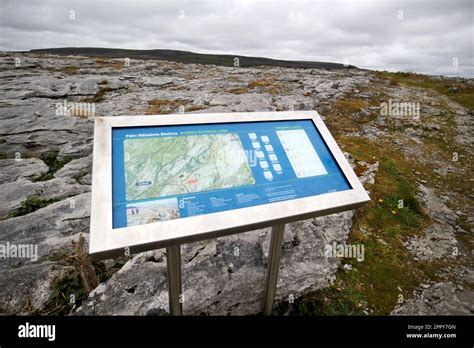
168, 179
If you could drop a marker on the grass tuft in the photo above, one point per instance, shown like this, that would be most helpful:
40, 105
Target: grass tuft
99, 95
161, 106
31, 204
70, 70
53, 163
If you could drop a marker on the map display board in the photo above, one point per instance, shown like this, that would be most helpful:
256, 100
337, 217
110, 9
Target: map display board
162, 173
166, 180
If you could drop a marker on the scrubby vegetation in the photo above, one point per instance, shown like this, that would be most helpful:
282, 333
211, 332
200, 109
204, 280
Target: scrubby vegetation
456, 89
161, 106
389, 273
70, 70
268, 85
79, 276
110, 63
53, 163
99, 95
31, 204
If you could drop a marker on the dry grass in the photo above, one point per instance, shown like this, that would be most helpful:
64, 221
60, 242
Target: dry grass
176, 65
99, 95
261, 83
269, 86
234, 79
165, 106
190, 77
351, 105
161, 106
70, 70
238, 90
78, 278
115, 64
262, 86
344, 115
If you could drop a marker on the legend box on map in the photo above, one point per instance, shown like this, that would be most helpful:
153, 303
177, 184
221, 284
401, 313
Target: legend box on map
301, 153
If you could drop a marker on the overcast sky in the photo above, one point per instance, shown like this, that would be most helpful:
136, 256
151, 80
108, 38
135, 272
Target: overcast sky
433, 37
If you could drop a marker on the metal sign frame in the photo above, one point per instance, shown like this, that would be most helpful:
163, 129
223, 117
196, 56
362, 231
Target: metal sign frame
106, 242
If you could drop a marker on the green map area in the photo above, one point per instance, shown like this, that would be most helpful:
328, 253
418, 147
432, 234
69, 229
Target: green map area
157, 167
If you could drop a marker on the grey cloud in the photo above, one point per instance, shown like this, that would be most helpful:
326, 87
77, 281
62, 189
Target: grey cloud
422, 36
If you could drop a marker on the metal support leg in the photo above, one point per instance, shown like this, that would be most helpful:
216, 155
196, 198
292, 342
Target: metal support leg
173, 263
276, 243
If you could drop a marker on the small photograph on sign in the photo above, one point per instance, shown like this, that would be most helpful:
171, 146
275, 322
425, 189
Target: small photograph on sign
152, 211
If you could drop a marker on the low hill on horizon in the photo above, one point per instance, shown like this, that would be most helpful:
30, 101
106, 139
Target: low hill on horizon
189, 57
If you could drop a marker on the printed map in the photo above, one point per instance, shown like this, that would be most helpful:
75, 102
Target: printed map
156, 167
